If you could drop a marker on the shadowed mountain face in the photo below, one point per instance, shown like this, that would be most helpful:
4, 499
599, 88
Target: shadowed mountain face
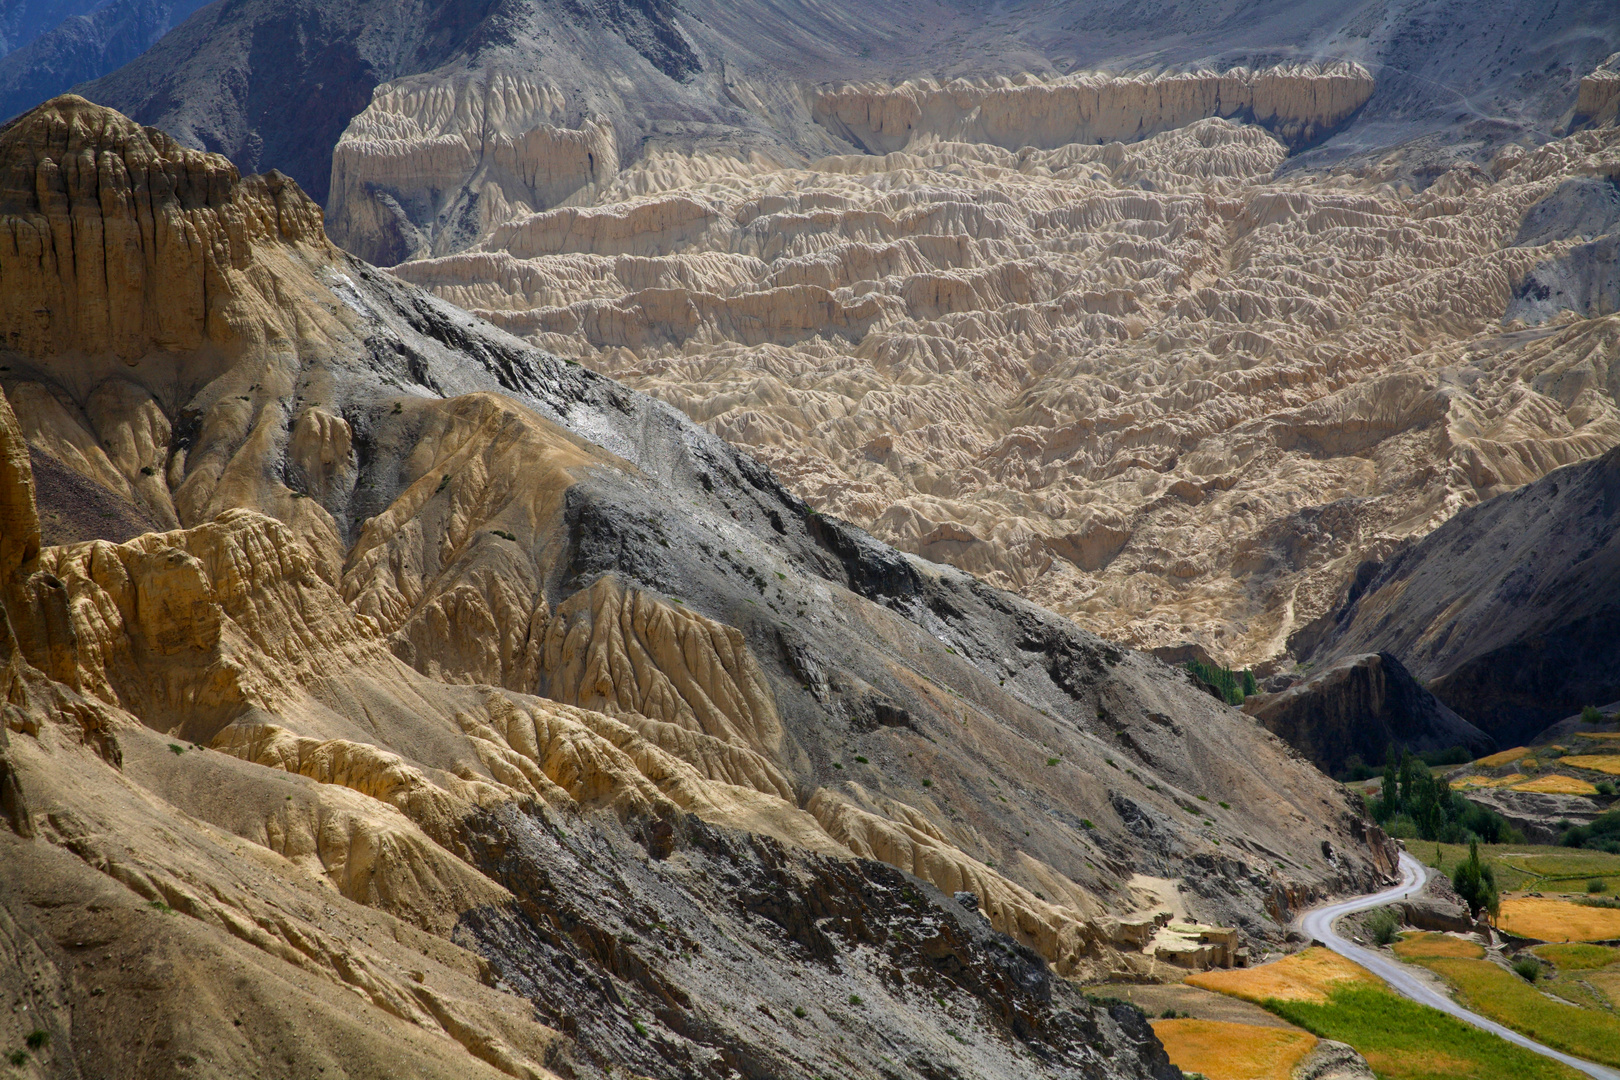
72, 46
470, 680
1360, 706
26, 20
273, 84
1506, 611
1510, 612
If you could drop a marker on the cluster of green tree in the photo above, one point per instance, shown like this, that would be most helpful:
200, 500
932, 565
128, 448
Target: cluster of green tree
1602, 835
1475, 882
1416, 804
1228, 685
1356, 769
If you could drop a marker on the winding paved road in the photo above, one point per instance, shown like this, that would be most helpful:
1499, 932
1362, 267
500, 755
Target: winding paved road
1318, 923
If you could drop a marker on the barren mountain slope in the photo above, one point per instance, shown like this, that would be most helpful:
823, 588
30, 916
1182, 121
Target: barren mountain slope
471, 682
1358, 707
1509, 611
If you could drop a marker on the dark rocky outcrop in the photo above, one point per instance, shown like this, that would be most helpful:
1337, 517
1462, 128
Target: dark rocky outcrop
1509, 612
1437, 907
1584, 279
590, 935
1360, 706
1587, 207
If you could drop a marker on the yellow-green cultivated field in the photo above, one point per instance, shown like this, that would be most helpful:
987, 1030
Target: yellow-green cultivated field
1549, 919
1584, 1024
1520, 867
1402, 1040
1223, 1051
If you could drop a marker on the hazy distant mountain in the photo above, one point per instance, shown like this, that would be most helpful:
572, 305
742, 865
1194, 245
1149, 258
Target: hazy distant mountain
22, 22
50, 46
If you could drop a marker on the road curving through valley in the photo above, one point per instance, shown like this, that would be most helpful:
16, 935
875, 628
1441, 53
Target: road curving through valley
1318, 924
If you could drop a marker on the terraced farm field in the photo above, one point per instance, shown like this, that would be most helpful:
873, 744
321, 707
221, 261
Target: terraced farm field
1310, 976
1518, 867
1335, 999
1582, 1023
1604, 763
1557, 785
1437, 946
1223, 1051
1547, 919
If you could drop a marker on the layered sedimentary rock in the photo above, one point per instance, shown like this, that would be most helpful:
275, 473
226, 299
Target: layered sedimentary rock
1300, 104
430, 166
274, 82
1598, 102
1159, 386
121, 243
540, 726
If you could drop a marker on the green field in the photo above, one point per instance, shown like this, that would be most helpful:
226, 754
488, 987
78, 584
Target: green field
1403, 1040
1579, 957
1589, 1032
1544, 868
1581, 973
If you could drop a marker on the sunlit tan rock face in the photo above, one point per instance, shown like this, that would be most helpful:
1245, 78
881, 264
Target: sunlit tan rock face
1597, 104
462, 156
1299, 104
477, 709
433, 165
1159, 386
119, 241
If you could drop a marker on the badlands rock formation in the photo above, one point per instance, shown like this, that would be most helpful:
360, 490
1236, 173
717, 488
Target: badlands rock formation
1161, 387
468, 713
1299, 104
1598, 103
431, 167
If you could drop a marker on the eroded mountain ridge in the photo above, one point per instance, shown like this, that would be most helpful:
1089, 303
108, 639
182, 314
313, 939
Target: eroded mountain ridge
461, 688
